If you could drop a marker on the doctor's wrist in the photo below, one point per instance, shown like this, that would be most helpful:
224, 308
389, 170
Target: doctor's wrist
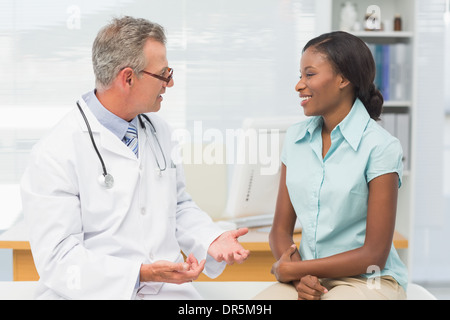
145, 273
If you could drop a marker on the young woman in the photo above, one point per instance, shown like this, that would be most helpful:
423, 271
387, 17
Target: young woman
340, 176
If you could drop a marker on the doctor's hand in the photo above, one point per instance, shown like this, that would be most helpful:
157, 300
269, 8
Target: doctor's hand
227, 248
171, 272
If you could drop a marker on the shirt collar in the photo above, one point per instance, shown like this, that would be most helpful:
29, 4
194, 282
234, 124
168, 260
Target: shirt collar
354, 124
109, 120
352, 127
312, 124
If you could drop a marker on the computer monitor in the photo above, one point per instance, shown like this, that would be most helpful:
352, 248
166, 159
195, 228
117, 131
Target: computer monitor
256, 172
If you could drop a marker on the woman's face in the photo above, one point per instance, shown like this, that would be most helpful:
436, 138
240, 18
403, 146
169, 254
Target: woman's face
319, 85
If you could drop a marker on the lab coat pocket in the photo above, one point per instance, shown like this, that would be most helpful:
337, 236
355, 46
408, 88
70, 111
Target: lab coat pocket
165, 204
171, 205
97, 210
163, 199
168, 199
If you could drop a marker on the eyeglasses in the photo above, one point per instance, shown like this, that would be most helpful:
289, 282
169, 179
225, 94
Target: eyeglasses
167, 80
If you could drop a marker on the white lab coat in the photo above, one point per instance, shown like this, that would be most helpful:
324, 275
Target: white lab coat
88, 242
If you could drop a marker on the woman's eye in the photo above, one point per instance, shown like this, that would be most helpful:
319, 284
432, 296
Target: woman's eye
308, 75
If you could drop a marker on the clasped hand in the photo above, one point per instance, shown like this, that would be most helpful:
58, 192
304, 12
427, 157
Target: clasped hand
224, 248
308, 287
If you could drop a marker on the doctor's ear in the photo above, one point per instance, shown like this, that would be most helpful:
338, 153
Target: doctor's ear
126, 75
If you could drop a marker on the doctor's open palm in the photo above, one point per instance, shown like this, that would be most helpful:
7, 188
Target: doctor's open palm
224, 248
227, 248
172, 272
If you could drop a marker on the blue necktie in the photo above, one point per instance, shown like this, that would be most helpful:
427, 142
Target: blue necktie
131, 140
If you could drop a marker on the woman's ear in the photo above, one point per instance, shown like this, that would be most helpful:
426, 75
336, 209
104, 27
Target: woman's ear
344, 82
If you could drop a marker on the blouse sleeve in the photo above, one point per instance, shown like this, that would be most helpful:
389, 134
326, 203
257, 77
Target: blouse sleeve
386, 158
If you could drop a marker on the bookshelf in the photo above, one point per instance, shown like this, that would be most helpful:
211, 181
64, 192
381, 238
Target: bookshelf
385, 35
394, 53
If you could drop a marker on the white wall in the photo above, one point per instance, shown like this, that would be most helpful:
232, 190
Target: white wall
447, 54
431, 257
232, 59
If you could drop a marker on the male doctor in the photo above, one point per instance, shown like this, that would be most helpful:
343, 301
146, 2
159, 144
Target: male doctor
106, 205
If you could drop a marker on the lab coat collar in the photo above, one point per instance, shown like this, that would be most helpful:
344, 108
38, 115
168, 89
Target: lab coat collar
109, 120
106, 139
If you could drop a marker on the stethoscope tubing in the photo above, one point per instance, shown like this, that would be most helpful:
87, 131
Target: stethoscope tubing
108, 178
105, 173
156, 138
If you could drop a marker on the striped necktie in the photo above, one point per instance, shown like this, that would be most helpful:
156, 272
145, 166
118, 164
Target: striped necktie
131, 139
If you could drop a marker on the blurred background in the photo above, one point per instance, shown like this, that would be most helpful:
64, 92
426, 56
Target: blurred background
235, 59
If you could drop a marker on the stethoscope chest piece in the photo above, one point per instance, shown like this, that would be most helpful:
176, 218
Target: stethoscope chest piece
106, 180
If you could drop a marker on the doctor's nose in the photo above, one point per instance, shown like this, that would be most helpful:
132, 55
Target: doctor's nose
169, 84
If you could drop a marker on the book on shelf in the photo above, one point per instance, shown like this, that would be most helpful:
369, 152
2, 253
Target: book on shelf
393, 70
398, 124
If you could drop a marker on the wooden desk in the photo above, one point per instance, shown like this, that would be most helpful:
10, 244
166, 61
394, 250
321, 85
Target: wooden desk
16, 239
256, 268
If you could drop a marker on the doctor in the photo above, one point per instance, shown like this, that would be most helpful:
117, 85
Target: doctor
108, 212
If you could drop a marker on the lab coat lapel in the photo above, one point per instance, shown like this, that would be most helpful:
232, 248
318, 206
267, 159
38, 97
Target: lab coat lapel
102, 136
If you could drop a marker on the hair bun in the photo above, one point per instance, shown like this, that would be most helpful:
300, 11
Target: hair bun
374, 102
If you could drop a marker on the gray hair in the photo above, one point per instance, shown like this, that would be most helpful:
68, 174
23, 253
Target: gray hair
120, 44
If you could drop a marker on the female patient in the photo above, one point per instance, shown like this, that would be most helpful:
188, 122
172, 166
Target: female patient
340, 176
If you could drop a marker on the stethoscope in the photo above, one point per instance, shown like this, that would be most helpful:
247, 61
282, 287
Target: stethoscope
107, 179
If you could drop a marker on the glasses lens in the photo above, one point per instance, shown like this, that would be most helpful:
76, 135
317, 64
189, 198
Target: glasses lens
170, 73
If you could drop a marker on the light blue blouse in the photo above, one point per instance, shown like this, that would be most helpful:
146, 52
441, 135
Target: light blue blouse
330, 194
